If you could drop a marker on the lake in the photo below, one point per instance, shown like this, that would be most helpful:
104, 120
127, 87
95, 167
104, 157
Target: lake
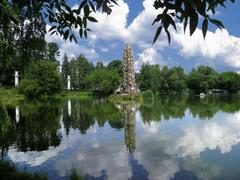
168, 137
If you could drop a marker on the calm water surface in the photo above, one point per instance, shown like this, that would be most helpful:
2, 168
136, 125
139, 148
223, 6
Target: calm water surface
170, 137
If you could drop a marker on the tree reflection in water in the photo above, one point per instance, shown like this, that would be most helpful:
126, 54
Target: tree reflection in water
35, 126
175, 106
7, 127
128, 111
101, 136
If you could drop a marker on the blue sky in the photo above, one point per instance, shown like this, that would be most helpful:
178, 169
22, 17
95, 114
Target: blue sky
131, 22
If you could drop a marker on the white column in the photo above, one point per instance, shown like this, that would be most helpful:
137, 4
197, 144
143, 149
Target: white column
68, 82
17, 114
16, 78
69, 108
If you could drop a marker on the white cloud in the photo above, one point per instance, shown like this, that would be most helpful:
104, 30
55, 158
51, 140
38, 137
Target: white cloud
72, 49
112, 27
104, 49
149, 55
219, 46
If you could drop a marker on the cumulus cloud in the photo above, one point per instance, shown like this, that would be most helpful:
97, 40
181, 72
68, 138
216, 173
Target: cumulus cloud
219, 47
149, 55
72, 49
194, 137
114, 28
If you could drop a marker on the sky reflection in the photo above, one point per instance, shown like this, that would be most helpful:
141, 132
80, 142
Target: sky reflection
175, 148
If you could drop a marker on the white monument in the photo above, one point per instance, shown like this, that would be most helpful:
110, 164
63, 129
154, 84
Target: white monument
16, 78
17, 114
68, 82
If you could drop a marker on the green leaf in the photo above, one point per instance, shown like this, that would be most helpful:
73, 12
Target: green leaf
168, 35
81, 32
185, 24
157, 19
193, 22
85, 33
53, 27
171, 21
218, 23
159, 29
204, 27
65, 35
82, 4
92, 6
86, 11
92, 19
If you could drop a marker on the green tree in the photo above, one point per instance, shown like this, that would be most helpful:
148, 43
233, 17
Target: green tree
176, 79
229, 81
202, 79
79, 69
103, 80
65, 70
150, 77
99, 65
116, 65
52, 51
45, 76
20, 43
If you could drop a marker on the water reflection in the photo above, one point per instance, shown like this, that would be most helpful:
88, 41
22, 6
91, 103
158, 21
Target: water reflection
128, 112
175, 106
7, 126
170, 137
17, 117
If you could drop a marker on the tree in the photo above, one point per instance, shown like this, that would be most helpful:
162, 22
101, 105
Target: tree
202, 79
63, 18
176, 79
41, 78
79, 69
150, 77
65, 70
20, 43
116, 65
52, 51
229, 81
103, 80
99, 65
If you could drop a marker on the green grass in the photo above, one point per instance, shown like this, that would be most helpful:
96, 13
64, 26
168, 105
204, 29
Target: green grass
75, 95
126, 98
10, 96
9, 172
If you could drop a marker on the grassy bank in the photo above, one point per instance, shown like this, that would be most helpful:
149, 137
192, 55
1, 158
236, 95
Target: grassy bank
75, 95
10, 96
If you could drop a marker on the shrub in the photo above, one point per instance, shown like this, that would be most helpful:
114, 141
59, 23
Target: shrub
30, 88
41, 78
148, 93
103, 80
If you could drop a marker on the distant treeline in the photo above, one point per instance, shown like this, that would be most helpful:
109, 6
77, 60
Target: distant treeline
86, 76
175, 79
